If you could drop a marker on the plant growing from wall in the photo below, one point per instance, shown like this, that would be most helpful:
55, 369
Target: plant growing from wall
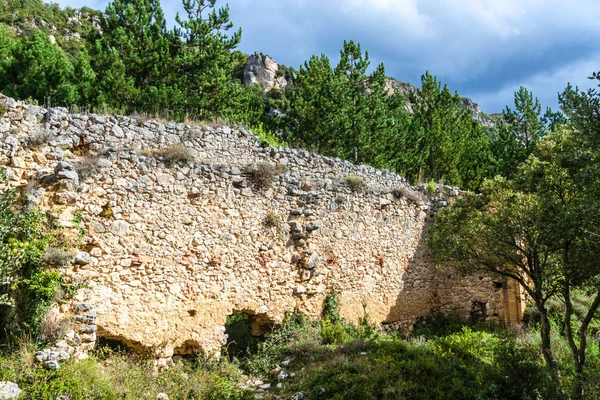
28, 283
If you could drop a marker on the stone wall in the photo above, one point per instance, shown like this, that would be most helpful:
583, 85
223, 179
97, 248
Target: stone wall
174, 248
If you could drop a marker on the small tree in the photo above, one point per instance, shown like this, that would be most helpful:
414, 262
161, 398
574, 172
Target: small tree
540, 229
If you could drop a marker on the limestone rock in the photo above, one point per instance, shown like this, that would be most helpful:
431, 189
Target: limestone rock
9, 390
82, 258
262, 70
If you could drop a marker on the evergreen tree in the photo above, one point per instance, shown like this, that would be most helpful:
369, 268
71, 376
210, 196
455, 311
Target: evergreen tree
520, 130
131, 56
343, 111
444, 143
206, 63
38, 69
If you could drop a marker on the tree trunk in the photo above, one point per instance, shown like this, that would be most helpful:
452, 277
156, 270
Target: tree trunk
546, 349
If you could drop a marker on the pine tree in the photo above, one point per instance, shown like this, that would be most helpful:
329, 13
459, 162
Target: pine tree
444, 143
131, 56
518, 132
37, 69
206, 62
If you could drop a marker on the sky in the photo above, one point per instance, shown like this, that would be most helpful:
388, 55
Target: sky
484, 49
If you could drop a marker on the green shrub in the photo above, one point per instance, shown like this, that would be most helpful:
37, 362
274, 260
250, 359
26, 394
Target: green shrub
432, 187
24, 236
278, 345
267, 138
334, 332
355, 183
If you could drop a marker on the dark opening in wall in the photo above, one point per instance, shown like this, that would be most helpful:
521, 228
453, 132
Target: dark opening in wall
498, 285
244, 332
478, 312
112, 344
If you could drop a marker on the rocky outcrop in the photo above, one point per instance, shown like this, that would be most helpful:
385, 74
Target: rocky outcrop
175, 247
263, 70
406, 89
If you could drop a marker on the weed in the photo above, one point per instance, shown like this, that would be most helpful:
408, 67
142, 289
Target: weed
39, 137
107, 211
271, 220
404, 192
56, 257
176, 154
355, 183
263, 175
3, 109
432, 187
266, 137
87, 167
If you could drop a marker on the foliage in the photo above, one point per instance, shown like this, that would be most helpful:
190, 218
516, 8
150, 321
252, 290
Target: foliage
273, 349
537, 229
520, 130
31, 283
266, 137
110, 376
38, 68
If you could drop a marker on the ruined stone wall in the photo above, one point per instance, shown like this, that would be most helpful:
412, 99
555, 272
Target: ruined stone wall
172, 250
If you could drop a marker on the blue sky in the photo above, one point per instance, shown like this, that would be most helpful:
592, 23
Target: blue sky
485, 49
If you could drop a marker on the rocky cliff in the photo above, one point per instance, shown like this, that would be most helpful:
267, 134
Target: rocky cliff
185, 225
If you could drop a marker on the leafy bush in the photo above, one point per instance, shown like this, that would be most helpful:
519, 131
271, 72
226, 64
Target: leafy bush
267, 138
24, 236
431, 187
112, 375
272, 350
355, 183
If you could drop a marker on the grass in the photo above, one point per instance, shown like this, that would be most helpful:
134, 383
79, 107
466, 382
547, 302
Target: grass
445, 359
87, 167
113, 375
355, 183
176, 154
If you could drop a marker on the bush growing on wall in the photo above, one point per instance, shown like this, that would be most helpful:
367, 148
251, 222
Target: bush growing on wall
28, 284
